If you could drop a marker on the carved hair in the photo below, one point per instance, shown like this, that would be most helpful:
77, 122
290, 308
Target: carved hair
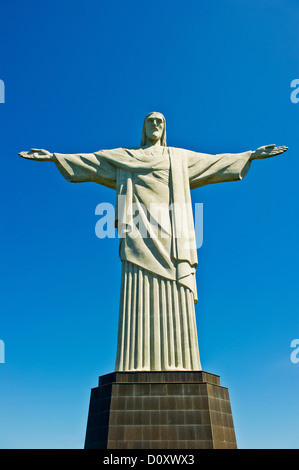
163, 137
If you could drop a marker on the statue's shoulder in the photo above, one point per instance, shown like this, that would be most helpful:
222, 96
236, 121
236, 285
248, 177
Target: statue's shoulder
113, 151
188, 153
179, 152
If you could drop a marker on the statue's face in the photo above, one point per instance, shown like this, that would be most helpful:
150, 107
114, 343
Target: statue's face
154, 127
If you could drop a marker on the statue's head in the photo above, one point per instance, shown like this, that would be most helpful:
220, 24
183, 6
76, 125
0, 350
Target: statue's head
154, 128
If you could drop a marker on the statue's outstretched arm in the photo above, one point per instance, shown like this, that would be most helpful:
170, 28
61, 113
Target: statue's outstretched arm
78, 168
208, 169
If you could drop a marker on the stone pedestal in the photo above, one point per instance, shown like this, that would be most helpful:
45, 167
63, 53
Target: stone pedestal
160, 410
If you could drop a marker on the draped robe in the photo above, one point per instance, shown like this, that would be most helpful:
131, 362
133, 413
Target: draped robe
157, 326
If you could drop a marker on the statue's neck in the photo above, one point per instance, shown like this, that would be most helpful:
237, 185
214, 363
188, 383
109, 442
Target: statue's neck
151, 143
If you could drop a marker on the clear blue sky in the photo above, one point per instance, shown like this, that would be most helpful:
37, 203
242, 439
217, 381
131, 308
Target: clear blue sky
80, 76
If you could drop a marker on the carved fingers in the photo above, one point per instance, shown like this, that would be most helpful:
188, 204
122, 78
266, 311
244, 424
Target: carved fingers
38, 154
268, 151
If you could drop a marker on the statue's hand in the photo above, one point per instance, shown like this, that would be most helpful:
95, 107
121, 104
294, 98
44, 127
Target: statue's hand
38, 154
267, 151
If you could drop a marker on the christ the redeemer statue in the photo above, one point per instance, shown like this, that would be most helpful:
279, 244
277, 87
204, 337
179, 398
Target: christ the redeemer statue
157, 326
